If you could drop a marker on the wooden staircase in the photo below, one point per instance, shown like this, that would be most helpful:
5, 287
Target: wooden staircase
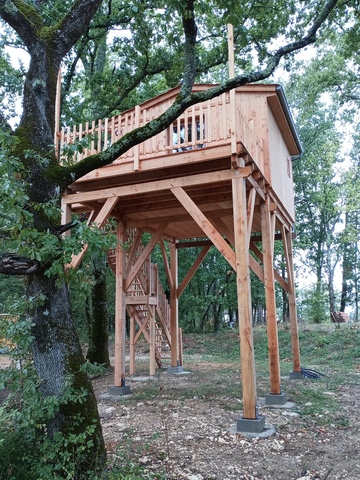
147, 307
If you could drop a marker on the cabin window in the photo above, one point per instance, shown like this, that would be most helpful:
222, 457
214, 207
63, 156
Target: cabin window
289, 167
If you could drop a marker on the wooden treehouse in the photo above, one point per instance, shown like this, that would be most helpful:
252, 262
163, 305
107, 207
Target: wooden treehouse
220, 175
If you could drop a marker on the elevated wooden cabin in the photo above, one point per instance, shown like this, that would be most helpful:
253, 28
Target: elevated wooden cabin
220, 175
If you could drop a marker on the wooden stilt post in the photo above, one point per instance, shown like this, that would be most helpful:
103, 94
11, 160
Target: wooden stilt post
66, 217
244, 300
292, 310
119, 387
269, 282
180, 346
57, 113
132, 345
233, 122
152, 339
174, 321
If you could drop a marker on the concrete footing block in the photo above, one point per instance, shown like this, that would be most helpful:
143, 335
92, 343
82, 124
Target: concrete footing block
266, 432
256, 425
296, 376
275, 399
119, 391
174, 370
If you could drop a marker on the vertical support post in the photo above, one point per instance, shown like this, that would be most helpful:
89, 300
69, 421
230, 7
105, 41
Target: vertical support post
65, 216
119, 387
244, 300
137, 147
180, 346
152, 339
292, 311
174, 310
132, 345
232, 93
269, 282
57, 114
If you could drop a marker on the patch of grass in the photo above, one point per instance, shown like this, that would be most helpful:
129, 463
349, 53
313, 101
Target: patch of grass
330, 350
222, 345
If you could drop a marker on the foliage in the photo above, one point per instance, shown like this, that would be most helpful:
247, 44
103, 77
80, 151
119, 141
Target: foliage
312, 304
26, 449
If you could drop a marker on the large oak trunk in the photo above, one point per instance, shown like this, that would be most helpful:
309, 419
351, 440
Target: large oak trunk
58, 359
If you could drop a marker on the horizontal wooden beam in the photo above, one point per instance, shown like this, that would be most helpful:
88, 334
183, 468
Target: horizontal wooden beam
143, 188
277, 236
189, 157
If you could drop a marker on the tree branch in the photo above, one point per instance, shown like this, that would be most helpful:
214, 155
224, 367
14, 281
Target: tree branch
23, 18
186, 98
13, 264
74, 25
190, 30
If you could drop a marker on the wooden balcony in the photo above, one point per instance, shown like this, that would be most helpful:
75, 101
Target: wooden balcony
210, 144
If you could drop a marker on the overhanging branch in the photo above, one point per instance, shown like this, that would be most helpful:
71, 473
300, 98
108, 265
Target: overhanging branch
186, 98
13, 264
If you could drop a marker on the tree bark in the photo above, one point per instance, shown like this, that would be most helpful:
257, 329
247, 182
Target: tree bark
58, 359
99, 328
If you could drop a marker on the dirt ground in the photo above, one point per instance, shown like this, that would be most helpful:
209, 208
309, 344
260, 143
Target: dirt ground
180, 425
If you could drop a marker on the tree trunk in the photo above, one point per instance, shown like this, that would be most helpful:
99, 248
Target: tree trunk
99, 329
58, 359
56, 348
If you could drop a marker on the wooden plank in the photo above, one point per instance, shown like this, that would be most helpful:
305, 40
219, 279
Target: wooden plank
100, 221
65, 217
205, 225
152, 336
163, 324
292, 308
223, 229
192, 270
149, 162
257, 187
133, 250
288, 263
193, 180
142, 324
166, 263
180, 346
277, 275
120, 310
137, 147
256, 268
250, 212
220, 212
57, 134
174, 306
132, 346
244, 300
233, 116
144, 255
268, 262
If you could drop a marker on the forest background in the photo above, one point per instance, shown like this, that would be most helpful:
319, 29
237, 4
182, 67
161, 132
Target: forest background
127, 52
